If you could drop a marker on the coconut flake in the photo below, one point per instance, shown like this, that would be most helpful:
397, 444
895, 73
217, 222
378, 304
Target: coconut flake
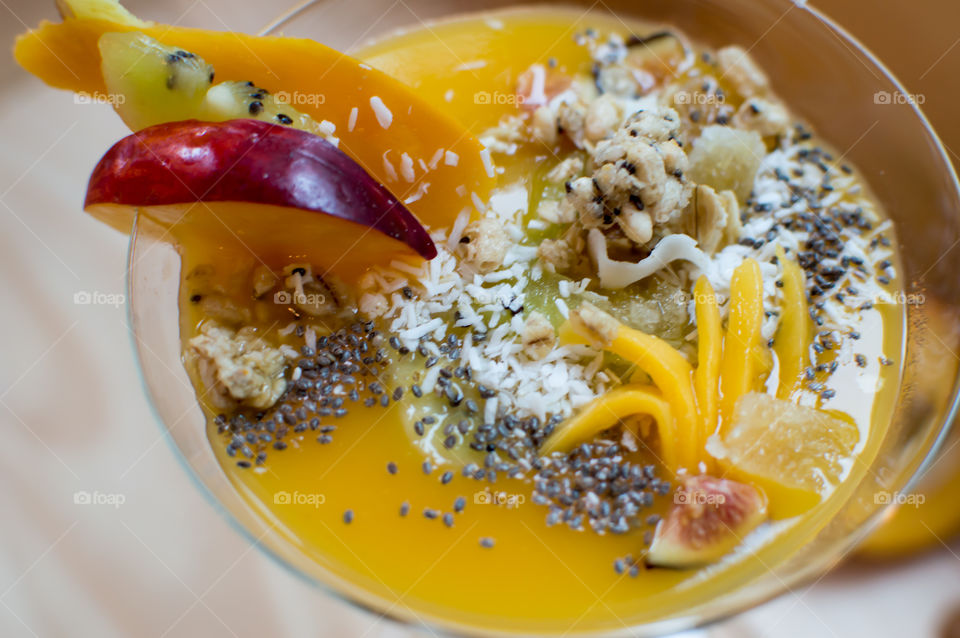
406, 168
383, 114
619, 274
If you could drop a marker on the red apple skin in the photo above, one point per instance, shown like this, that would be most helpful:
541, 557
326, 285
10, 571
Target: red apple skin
254, 162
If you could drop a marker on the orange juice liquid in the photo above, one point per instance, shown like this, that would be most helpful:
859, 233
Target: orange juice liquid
536, 578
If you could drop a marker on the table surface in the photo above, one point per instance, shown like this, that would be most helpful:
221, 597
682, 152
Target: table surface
163, 563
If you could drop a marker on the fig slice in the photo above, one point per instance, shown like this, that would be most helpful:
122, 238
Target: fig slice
709, 518
270, 185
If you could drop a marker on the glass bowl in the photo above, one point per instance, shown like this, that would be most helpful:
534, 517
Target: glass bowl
831, 81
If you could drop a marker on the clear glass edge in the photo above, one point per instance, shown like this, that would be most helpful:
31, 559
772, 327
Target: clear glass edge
658, 627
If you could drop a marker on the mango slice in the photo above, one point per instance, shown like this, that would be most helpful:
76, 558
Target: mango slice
477, 71
793, 335
393, 127
706, 378
739, 367
609, 409
670, 371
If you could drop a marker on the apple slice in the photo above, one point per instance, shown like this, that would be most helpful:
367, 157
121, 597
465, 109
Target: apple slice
258, 183
398, 136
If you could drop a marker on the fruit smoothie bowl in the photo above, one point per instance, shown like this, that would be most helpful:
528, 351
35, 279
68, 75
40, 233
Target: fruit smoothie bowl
530, 320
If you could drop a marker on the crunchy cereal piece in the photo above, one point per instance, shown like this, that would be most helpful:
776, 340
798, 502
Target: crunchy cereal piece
589, 319
712, 215
484, 245
552, 212
373, 304
642, 165
538, 336
505, 136
602, 119
619, 81
565, 170
263, 280
571, 121
558, 253
543, 125
224, 309
309, 293
241, 364
636, 224
699, 101
739, 69
766, 117
583, 201
568, 254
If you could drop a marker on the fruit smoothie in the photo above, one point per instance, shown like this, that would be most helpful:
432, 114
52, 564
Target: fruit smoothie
541, 322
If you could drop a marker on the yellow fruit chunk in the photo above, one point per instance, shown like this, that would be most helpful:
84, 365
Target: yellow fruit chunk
99, 10
670, 371
796, 454
793, 335
391, 120
476, 71
609, 409
739, 369
709, 352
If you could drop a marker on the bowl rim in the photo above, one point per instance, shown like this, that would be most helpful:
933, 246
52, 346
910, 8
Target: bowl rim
657, 627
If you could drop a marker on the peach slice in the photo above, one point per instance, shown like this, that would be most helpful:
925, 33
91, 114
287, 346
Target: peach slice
379, 120
276, 189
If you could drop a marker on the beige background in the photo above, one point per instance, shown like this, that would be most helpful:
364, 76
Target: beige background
164, 563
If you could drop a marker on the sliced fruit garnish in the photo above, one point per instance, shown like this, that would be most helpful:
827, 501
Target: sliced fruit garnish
384, 125
793, 335
98, 10
795, 453
154, 83
610, 409
709, 518
478, 73
280, 190
670, 371
706, 378
739, 367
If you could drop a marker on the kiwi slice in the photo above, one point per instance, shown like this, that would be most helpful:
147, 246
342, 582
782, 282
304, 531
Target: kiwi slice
152, 83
